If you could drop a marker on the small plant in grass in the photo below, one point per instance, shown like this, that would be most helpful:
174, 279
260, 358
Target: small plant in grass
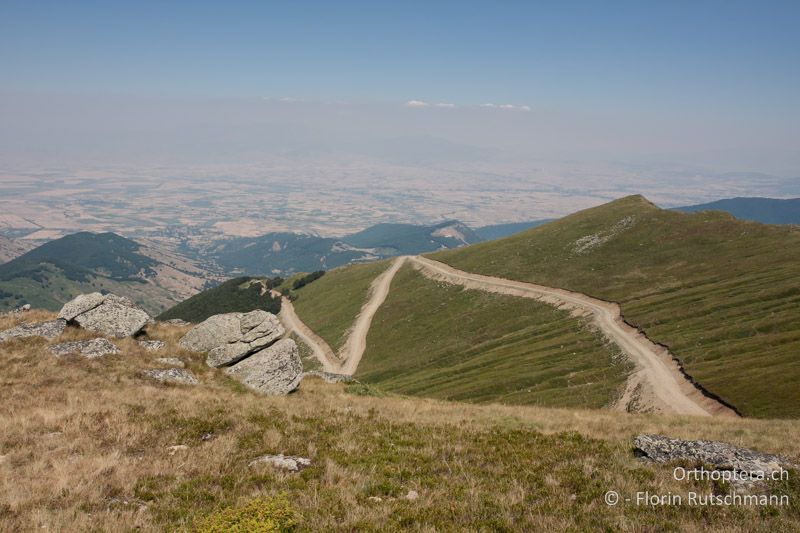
257, 516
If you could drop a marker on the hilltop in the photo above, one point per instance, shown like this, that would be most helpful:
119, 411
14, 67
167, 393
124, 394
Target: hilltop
719, 292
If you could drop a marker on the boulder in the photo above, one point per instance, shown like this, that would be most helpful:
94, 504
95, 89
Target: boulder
717, 455
171, 375
170, 361
152, 346
230, 337
80, 304
48, 330
88, 349
110, 315
290, 463
274, 370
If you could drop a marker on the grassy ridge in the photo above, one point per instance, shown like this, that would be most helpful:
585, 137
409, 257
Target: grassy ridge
330, 304
441, 341
723, 294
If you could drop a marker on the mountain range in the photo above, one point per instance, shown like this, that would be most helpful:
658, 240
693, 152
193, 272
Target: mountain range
158, 278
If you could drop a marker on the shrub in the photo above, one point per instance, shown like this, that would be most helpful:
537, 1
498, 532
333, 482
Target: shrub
257, 516
308, 278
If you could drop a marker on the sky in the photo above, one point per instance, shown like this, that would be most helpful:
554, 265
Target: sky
711, 82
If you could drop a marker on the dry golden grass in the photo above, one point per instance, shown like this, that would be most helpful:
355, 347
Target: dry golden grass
85, 445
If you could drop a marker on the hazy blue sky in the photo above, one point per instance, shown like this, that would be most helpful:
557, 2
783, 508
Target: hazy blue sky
657, 77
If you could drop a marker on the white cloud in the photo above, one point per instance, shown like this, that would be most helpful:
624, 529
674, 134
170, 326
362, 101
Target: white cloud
420, 103
507, 106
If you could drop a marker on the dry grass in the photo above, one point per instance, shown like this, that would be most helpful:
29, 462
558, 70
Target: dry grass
85, 446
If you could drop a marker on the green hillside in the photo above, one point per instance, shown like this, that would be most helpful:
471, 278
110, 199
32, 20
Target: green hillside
441, 341
722, 293
410, 239
238, 295
330, 304
54, 273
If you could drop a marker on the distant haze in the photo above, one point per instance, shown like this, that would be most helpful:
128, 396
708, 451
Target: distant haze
339, 115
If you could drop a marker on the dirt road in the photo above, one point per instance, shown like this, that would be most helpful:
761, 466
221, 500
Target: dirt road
657, 384
356, 343
322, 351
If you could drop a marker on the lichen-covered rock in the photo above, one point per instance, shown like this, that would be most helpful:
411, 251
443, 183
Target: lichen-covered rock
230, 337
48, 330
88, 349
115, 317
290, 463
274, 370
171, 375
80, 304
152, 346
718, 455
110, 315
170, 361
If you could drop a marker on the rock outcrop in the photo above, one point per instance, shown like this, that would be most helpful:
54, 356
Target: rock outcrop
290, 463
246, 344
274, 370
171, 375
48, 330
89, 349
230, 337
110, 315
717, 455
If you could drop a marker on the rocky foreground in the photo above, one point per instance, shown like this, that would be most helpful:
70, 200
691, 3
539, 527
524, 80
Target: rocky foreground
142, 433
247, 346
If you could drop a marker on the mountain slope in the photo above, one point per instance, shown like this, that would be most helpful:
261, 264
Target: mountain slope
288, 253
438, 340
329, 306
235, 295
721, 293
766, 210
57, 271
410, 239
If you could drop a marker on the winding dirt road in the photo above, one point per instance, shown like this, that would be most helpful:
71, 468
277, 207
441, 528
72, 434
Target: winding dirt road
356, 343
657, 384
322, 351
